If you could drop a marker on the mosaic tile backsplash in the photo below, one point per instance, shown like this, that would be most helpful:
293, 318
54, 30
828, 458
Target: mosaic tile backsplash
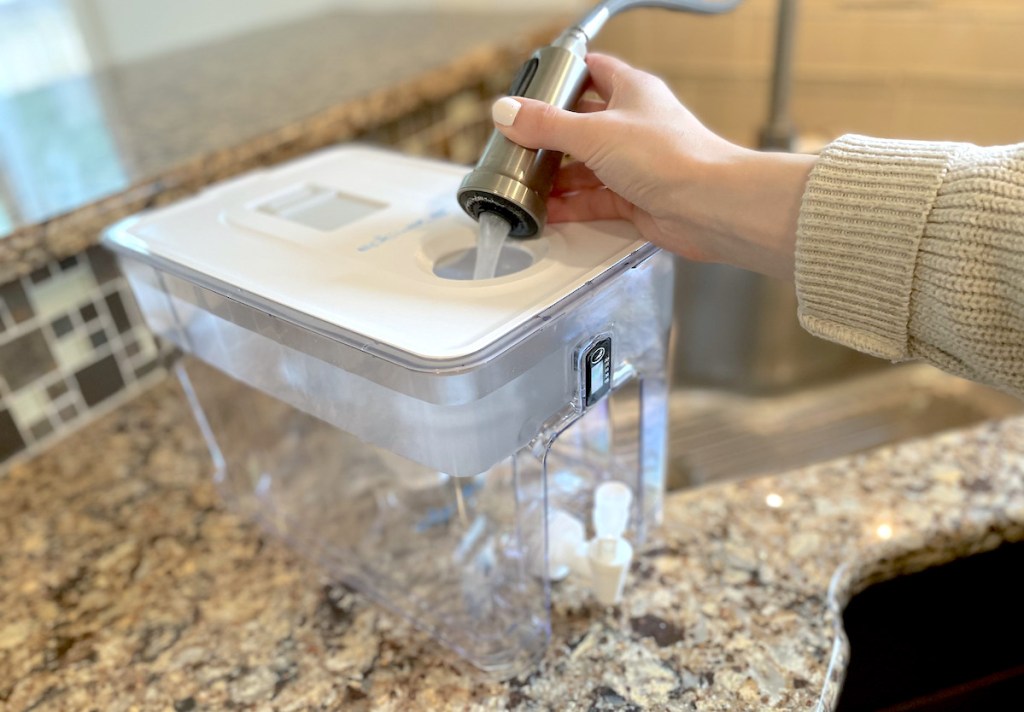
72, 341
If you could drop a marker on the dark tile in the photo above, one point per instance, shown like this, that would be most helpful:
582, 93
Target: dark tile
169, 353
132, 348
41, 429
67, 413
146, 368
11, 441
57, 389
104, 265
40, 275
117, 311
3, 327
67, 263
99, 381
62, 326
17, 301
88, 312
24, 359
98, 338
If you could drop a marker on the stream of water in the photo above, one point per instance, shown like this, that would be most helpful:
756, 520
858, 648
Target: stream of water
493, 233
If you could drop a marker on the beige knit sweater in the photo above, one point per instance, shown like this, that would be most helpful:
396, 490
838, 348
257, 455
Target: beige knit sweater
915, 250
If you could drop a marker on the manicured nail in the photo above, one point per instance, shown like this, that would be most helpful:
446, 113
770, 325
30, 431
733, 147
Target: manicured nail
505, 110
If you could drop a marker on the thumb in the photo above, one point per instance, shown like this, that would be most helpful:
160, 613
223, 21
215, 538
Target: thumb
535, 124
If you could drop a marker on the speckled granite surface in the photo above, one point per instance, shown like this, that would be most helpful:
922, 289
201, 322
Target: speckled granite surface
84, 153
125, 585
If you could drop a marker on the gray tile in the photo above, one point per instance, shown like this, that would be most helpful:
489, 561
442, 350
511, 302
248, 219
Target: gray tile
62, 326
11, 441
40, 275
17, 301
67, 413
88, 312
24, 359
99, 381
104, 265
57, 389
40, 430
118, 312
98, 338
147, 368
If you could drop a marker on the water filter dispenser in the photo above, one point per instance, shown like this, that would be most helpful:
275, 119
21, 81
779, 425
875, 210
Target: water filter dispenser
458, 450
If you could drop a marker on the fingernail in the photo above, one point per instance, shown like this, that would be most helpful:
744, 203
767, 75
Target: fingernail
505, 110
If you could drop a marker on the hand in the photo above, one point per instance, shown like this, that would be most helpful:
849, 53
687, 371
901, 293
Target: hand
640, 155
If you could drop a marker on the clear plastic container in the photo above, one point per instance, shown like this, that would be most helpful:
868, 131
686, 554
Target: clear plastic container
429, 486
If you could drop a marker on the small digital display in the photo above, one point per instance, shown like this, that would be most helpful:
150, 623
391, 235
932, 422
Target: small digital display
595, 367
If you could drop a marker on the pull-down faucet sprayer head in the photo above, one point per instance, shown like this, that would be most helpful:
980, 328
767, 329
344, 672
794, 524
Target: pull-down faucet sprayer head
514, 182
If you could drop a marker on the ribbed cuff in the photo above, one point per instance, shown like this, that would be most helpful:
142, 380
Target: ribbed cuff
861, 220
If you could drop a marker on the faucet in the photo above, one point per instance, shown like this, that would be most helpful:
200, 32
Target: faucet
513, 182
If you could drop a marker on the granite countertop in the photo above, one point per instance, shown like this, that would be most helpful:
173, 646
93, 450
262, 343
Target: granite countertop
126, 585
83, 153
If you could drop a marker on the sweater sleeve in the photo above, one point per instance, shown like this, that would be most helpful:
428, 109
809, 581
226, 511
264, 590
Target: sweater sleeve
915, 250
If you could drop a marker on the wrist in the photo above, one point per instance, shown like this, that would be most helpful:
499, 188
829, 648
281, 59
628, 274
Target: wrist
756, 198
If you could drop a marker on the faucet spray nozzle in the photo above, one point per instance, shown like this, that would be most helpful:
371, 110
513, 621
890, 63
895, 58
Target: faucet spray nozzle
514, 181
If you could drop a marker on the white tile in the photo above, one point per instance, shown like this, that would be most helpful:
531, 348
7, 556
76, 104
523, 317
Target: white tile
147, 347
73, 351
63, 292
29, 406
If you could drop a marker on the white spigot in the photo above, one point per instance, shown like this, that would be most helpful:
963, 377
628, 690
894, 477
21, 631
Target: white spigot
611, 509
605, 559
567, 538
608, 552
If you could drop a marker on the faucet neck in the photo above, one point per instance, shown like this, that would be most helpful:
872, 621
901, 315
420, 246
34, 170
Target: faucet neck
594, 20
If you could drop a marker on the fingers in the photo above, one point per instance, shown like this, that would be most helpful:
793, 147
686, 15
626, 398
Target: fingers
590, 106
607, 73
574, 176
534, 124
594, 204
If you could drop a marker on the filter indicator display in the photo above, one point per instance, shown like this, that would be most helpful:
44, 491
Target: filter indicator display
596, 370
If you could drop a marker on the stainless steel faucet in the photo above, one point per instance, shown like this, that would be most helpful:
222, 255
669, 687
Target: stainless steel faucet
514, 182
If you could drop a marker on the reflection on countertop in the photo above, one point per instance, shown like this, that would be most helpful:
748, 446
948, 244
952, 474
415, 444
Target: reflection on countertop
79, 154
126, 584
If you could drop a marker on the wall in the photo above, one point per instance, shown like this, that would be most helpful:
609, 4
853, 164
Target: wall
117, 31
935, 69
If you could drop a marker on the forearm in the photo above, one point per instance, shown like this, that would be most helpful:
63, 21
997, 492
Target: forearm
744, 203
761, 208
916, 250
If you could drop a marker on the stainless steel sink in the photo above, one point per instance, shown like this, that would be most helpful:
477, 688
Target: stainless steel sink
753, 393
719, 435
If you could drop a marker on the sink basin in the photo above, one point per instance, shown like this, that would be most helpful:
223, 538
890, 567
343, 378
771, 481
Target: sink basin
753, 393
717, 435
947, 638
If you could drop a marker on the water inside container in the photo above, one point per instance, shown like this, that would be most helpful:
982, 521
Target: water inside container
461, 264
493, 232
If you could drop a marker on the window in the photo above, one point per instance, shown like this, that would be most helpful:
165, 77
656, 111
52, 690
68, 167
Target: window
39, 43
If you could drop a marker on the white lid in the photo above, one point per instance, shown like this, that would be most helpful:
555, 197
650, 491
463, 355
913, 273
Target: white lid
350, 237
